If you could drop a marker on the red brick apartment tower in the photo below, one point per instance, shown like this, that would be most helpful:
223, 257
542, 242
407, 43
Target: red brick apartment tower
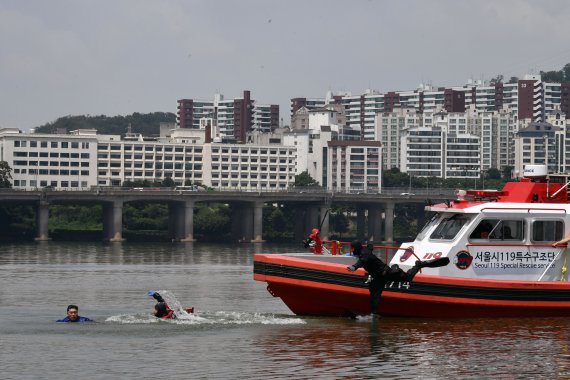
185, 113
243, 112
526, 99
499, 96
390, 100
274, 116
454, 101
296, 104
565, 99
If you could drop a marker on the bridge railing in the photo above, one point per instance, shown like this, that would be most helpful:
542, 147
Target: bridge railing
394, 191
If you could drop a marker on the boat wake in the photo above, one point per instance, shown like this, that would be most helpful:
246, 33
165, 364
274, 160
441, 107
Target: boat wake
209, 318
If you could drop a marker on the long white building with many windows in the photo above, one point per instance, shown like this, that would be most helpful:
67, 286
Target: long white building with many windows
85, 159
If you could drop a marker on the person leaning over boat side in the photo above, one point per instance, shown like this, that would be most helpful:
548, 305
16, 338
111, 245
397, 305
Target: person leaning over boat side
73, 315
382, 273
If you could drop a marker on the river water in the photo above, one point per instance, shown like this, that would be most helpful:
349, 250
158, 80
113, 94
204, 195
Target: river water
239, 330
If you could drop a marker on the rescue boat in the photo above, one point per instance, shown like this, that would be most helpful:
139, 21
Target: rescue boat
503, 262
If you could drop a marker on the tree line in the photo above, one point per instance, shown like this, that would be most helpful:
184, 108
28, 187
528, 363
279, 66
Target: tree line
145, 124
554, 76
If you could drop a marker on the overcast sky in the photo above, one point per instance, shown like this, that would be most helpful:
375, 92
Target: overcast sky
116, 57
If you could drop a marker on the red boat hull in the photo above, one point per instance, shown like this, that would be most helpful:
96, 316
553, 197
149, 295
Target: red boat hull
310, 286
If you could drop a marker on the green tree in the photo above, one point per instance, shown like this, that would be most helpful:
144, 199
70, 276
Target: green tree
276, 225
395, 178
506, 171
168, 182
145, 216
339, 222
552, 76
497, 79
143, 183
513, 80
494, 173
566, 71
145, 124
212, 220
304, 180
5, 175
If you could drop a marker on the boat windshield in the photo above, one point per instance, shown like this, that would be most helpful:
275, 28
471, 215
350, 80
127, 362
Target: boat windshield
430, 223
449, 228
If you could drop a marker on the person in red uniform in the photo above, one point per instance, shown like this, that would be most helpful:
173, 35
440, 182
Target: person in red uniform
314, 242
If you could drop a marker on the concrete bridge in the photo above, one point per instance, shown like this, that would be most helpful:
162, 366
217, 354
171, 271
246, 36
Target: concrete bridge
377, 209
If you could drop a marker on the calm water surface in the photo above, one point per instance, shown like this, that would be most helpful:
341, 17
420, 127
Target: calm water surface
239, 331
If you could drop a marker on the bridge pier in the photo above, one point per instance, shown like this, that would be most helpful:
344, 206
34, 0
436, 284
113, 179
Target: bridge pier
299, 227
374, 223
113, 221
188, 235
257, 222
389, 222
181, 220
42, 219
247, 222
360, 223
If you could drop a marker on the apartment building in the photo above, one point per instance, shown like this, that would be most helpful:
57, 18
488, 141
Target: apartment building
354, 166
432, 152
530, 99
388, 128
540, 144
422, 150
234, 118
41, 160
462, 156
84, 159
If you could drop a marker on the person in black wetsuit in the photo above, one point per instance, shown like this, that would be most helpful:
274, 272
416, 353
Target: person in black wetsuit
382, 273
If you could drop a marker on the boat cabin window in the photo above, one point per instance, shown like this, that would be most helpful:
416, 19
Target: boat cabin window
498, 229
547, 231
448, 228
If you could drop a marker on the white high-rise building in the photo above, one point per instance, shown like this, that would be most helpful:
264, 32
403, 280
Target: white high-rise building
539, 144
389, 126
85, 159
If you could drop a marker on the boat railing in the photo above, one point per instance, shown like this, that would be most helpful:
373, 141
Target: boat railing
337, 247
527, 209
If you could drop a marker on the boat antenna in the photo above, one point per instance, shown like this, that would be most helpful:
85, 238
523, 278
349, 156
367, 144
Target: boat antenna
323, 220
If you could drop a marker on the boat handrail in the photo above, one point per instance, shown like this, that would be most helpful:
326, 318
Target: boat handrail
552, 262
528, 209
503, 244
559, 190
